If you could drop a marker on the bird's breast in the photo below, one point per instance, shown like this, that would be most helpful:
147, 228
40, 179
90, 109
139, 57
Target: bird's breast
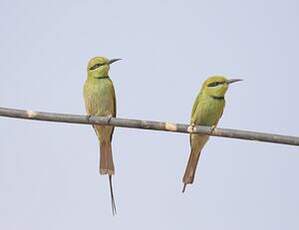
210, 111
99, 98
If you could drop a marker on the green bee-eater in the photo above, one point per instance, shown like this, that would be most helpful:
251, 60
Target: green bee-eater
99, 98
207, 110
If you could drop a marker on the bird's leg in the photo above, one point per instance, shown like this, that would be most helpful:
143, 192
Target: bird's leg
109, 118
191, 127
212, 129
88, 117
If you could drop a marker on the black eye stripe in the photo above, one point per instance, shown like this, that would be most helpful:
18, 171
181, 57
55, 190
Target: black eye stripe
216, 83
95, 66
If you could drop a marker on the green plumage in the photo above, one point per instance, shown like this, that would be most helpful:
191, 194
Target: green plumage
99, 98
207, 110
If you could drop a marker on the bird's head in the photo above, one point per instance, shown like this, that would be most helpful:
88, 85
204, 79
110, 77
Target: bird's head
216, 86
99, 67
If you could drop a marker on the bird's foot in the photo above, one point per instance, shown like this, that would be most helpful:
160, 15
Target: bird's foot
109, 118
191, 127
213, 127
88, 117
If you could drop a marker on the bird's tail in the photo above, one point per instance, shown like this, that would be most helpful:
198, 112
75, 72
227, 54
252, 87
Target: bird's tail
191, 168
106, 159
113, 205
107, 167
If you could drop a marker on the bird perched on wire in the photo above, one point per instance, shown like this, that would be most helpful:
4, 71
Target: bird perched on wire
99, 98
207, 110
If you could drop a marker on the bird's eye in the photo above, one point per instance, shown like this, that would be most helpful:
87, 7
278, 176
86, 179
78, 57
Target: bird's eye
95, 66
214, 84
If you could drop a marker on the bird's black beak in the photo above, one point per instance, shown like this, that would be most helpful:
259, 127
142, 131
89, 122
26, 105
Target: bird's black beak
114, 60
233, 80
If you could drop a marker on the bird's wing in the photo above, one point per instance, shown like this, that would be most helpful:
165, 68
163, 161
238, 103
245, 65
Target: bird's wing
195, 105
114, 108
195, 114
114, 102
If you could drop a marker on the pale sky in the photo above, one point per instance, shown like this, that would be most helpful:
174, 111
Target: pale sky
49, 172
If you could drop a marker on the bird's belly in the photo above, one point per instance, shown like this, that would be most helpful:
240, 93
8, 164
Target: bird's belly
105, 107
100, 106
99, 102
